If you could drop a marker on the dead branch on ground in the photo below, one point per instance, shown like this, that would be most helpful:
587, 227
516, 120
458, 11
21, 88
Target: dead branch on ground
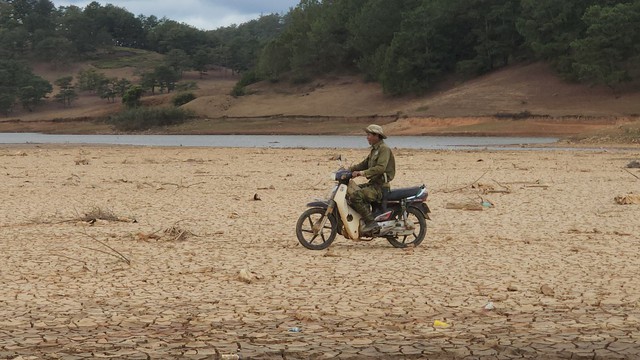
180, 186
114, 252
632, 174
466, 186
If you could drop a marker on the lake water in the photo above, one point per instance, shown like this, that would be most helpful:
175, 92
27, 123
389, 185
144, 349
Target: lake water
278, 141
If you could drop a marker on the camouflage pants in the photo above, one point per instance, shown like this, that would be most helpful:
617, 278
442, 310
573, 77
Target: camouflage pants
361, 196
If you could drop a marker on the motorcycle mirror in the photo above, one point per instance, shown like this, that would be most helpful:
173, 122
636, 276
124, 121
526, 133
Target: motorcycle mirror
342, 160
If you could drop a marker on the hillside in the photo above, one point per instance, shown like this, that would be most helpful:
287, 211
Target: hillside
339, 104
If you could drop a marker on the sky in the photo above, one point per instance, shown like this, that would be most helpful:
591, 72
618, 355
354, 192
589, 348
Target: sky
202, 14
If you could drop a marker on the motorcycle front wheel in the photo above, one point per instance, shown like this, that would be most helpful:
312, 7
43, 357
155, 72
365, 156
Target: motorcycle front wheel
415, 217
324, 237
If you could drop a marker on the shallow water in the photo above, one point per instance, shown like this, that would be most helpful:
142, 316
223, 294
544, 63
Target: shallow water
278, 141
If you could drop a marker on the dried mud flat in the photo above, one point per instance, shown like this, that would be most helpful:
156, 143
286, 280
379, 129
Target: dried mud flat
205, 270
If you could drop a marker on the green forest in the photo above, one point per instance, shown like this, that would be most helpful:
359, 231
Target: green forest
408, 46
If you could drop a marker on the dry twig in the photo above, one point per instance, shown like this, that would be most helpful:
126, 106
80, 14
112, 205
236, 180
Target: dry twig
466, 186
117, 253
632, 174
70, 258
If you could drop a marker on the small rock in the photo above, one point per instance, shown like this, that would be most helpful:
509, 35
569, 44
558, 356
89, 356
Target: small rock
547, 290
512, 287
245, 276
256, 197
331, 253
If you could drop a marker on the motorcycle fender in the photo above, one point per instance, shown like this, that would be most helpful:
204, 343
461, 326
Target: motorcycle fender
318, 204
424, 209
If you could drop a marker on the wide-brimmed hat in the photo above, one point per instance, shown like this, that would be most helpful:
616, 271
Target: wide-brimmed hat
376, 129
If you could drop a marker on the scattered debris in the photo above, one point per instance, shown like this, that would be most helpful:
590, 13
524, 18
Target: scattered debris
82, 162
180, 186
484, 188
409, 250
438, 323
177, 234
628, 199
97, 213
466, 186
247, 276
537, 186
331, 253
486, 202
19, 153
229, 357
489, 306
635, 164
473, 206
145, 237
173, 233
505, 189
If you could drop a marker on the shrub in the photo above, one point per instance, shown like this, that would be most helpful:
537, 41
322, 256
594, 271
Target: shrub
238, 90
131, 97
248, 78
186, 86
137, 119
183, 98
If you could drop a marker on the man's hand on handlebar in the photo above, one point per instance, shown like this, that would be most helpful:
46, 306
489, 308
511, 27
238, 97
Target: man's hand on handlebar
357, 173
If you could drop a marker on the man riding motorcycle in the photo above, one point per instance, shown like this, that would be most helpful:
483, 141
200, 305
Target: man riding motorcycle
379, 167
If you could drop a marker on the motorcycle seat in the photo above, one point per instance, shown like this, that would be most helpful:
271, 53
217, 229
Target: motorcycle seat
402, 193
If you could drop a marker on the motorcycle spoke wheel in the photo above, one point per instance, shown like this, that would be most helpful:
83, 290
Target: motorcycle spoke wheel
417, 219
324, 237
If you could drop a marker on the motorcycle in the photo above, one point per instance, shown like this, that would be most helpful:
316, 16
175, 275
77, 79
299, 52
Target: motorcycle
401, 217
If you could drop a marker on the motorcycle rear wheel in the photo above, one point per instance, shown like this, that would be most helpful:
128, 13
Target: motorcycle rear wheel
414, 216
304, 229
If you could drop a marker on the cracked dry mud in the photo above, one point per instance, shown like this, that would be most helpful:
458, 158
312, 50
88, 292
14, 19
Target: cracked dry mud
555, 255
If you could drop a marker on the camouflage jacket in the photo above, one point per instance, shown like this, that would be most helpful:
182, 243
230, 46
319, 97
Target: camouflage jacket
379, 167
